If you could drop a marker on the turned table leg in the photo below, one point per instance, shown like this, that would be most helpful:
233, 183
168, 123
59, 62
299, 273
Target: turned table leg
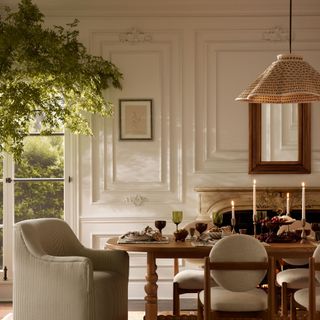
151, 305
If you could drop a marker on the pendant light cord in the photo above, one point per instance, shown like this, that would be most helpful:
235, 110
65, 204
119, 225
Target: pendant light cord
290, 26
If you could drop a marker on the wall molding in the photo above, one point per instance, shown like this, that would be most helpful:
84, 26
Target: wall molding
107, 187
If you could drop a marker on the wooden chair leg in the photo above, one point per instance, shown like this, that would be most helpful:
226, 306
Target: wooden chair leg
293, 312
265, 315
284, 300
176, 299
199, 309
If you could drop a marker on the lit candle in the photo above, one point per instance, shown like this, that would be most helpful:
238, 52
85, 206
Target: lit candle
303, 199
288, 204
254, 201
232, 210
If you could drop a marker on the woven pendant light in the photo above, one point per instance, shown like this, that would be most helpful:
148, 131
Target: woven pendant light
289, 79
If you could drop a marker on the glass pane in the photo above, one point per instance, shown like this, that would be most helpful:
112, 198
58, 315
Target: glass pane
38, 200
42, 158
279, 132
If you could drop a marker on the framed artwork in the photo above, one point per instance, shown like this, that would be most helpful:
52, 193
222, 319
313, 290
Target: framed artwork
135, 119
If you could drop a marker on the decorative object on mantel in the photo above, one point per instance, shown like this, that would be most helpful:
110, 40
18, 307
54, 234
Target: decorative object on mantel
134, 36
47, 73
287, 80
137, 200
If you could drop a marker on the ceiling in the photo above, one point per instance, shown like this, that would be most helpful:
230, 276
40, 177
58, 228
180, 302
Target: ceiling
173, 7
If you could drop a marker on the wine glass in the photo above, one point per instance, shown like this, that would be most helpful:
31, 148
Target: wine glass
177, 218
217, 219
160, 224
201, 227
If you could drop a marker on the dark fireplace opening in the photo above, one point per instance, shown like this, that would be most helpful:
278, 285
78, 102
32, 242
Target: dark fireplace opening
244, 218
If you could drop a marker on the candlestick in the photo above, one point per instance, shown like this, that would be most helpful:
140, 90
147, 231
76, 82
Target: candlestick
303, 204
288, 204
303, 232
254, 201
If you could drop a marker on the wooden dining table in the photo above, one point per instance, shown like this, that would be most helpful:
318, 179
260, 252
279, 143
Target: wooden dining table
186, 249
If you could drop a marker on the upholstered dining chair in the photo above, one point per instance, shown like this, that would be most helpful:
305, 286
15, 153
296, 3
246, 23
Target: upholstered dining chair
309, 298
57, 278
238, 263
188, 280
293, 278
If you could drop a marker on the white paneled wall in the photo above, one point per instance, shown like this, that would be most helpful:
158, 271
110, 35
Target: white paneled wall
192, 66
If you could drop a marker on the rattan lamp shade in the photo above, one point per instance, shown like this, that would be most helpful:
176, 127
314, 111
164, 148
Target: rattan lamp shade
289, 79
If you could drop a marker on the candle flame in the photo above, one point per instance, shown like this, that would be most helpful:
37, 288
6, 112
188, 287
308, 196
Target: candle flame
254, 181
303, 184
288, 194
232, 203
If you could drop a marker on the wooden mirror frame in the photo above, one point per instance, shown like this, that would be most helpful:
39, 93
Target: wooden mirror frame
303, 165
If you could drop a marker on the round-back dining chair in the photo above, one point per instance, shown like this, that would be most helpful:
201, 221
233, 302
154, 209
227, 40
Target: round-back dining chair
237, 263
189, 280
309, 297
293, 278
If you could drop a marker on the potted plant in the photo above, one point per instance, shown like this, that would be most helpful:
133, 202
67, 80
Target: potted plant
47, 73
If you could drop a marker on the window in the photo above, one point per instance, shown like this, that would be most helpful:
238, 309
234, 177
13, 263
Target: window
33, 188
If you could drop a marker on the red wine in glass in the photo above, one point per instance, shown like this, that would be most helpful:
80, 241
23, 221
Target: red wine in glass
201, 227
160, 224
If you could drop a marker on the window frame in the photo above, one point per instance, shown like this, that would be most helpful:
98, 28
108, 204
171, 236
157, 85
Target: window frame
71, 216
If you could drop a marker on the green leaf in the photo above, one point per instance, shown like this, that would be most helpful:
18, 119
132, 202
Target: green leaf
48, 72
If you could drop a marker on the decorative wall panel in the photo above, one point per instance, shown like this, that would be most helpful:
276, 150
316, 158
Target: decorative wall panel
152, 70
227, 61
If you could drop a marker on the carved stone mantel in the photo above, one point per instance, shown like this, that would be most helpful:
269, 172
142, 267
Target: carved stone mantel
219, 199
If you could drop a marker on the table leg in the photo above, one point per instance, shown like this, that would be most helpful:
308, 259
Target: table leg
151, 304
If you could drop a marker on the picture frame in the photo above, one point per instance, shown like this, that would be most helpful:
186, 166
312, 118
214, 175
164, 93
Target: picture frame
135, 119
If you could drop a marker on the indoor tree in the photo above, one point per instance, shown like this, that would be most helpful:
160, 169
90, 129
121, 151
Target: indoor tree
46, 73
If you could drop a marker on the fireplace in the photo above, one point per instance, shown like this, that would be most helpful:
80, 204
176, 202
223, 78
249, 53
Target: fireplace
268, 199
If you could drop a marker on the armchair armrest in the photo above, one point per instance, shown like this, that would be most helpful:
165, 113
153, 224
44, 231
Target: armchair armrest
112, 260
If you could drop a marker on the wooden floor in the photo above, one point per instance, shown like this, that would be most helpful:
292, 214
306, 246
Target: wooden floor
133, 305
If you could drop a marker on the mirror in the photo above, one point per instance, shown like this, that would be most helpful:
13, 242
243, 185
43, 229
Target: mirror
279, 132
279, 138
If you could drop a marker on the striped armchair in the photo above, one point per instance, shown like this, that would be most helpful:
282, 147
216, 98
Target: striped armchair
56, 277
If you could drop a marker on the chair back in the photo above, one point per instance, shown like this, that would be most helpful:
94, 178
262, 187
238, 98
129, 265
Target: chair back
48, 236
314, 275
239, 249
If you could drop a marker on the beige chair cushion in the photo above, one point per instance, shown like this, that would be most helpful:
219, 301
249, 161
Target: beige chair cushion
191, 279
302, 297
295, 278
238, 248
225, 300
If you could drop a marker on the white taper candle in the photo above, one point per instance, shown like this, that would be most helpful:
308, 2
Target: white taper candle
303, 200
232, 210
288, 204
254, 201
